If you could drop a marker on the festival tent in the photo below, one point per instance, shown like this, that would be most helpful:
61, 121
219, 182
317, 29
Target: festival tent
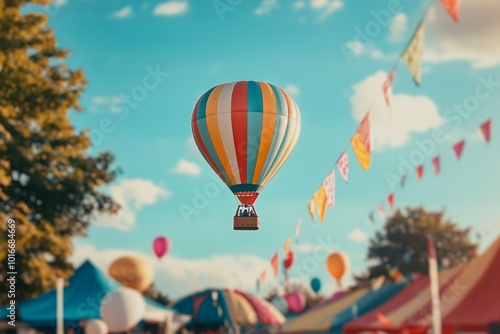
331, 316
470, 301
213, 308
82, 299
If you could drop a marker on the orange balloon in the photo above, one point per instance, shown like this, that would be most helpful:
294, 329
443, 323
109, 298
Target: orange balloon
132, 272
337, 264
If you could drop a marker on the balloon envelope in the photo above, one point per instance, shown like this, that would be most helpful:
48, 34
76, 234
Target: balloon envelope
133, 272
337, 264
161, 246
315, 284
245, 131
296, 302
96, 326
122, 309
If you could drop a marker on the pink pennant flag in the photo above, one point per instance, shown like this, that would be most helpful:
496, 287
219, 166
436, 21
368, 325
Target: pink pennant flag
420, 172
381, 211
386, 87
452, 7
458, 148
390, 200
329, 184
436, 164
485, 129
297, 229
343, 165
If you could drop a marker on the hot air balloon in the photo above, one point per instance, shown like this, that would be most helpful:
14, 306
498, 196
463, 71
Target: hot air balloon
133, 272
161, 246
315, 284
337, 264
245, 131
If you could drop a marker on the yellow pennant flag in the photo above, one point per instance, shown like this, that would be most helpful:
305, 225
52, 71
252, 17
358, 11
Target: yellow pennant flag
321, 202
413, 53
361, 143
310, 208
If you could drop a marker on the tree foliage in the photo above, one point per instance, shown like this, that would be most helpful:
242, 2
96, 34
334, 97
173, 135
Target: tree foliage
49, 184
402, 243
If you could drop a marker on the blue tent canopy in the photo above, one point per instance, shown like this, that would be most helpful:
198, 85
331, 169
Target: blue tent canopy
82, 300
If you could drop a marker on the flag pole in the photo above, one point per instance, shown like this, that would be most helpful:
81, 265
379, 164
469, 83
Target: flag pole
60, 304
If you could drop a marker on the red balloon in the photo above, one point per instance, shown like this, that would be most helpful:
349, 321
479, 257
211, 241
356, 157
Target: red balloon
161, 246
288, 262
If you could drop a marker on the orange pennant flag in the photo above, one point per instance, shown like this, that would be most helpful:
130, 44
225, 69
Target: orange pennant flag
263, 276
452, 7
420, 172
275, 263
310, 208
361, 143
321, 201
383, 319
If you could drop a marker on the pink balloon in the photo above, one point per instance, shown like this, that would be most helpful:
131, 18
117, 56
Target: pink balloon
161, 246
296, 302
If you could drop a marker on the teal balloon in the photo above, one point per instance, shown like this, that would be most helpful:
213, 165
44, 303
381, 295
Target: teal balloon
315, 284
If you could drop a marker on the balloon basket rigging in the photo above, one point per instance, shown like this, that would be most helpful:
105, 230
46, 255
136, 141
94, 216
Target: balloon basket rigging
246, 218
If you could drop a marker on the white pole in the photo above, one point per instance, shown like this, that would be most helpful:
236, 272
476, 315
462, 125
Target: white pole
434, 278
60, 306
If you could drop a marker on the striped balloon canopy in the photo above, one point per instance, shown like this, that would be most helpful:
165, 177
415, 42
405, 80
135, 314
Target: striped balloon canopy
246, 130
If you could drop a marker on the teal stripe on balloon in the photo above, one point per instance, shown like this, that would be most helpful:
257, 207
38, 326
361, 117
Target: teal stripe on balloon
254, 127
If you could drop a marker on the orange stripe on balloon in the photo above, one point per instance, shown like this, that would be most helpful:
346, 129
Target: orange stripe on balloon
214, 131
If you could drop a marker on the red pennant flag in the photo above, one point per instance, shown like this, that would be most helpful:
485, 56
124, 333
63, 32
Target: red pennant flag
387, 86
458, 148
420, 172
436, 164
390, 199
452, 7
485, 129
275, 263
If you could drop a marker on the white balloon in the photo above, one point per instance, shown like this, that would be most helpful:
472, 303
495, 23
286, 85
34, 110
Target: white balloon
122, 309
96, 326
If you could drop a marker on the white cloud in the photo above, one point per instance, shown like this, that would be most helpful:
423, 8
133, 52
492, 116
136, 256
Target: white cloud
132, 195
171, 8
301, 4
326, 7
216, 68
233, 271
292, 90
398, 27
376, 54
474, 38
266, 7
357, 235
123, 13
101, 100
409, 113
306, 248
186, 167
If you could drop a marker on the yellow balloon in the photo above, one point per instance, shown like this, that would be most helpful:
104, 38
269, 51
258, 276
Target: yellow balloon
133, 272
337, 264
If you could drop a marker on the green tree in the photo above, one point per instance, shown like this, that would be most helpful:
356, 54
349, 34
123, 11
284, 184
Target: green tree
49, 184
402, 243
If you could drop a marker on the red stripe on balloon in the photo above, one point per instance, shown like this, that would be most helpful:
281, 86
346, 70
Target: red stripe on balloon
239, 106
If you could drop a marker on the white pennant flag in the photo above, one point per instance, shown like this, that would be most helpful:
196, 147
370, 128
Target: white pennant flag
329, 185
343, 165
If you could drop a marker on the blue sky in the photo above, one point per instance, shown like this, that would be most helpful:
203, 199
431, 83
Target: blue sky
296, 45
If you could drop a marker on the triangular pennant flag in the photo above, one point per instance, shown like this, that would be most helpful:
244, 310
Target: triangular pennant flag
361, 143
275, 264
485, 130
436, 164
390, 200
343, 165
386, 87
297, 229
329, 184
288, 245
371, 217
420, 172
458, 148
381, 211
403, 180
321, 201
452, 7
413, 52
263, 276
310, 208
